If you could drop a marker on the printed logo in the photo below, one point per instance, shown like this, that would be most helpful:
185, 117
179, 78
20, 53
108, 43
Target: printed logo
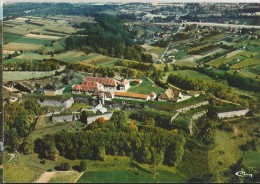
243, 174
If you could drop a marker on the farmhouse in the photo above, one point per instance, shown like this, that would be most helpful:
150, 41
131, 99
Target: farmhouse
169, 94
124, 85
131, 96
95, 84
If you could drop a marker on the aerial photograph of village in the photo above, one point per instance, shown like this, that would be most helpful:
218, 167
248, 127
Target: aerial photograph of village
131, 92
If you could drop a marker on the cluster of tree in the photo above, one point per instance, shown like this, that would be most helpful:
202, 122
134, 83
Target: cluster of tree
139, 66
218, 90
31, 66
243, 83
105, 71
153, 118
204, 130
45, 9
180, 37
18, 123
161, 43
203, 49
115, 137
16, 53
108, 37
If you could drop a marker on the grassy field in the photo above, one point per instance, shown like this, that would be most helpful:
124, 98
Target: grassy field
146, 87
10, 37
154, 51
21, 173
184, 63
79, 106
191, 74
64, 177
238, 54
29, 40
246, 63
252, 159
21, 46
51, 48
73, 56
32, 56
99, 60
179, 54
16, 76
129, 176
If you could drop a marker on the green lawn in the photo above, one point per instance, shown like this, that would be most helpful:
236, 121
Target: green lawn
179, 54
32, 41
73, 56
252, 159
10, 37
16, 76
21, 173
129, 176
191, 74
146, 87
64, 177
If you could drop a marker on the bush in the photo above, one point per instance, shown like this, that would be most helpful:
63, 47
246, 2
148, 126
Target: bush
64, 166
82, 166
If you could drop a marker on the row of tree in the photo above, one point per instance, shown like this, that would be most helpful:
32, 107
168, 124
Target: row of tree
115, 137
31, 66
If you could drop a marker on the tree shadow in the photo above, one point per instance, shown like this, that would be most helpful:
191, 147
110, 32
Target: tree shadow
132, 164
76, 168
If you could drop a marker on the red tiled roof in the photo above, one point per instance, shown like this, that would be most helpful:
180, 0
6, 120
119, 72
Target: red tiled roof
130, 95
104, 81
137, 80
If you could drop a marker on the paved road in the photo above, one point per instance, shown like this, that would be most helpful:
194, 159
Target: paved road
199, 23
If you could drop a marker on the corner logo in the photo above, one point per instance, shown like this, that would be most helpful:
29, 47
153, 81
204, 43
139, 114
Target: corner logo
243, 174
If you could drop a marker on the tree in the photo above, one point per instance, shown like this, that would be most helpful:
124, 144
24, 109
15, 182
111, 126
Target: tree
64, 166
27, 146
157, 158
82, 166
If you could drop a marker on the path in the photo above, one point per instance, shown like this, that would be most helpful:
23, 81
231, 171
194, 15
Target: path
45, 177
226, 101
78, 177
12, 155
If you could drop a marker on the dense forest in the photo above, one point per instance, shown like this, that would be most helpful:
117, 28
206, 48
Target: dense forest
108, 37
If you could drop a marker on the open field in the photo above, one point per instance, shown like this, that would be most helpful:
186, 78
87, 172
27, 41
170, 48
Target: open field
60, 29
21, 173
99, 60
21, 46
184, 63
238, 54
252, 159
10, 37
146, 87
128, 176
191, 74
57, 46
73, 56
15, 31
32, 56
48, 37
16, 76
246, 63
65, 177
154, 51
